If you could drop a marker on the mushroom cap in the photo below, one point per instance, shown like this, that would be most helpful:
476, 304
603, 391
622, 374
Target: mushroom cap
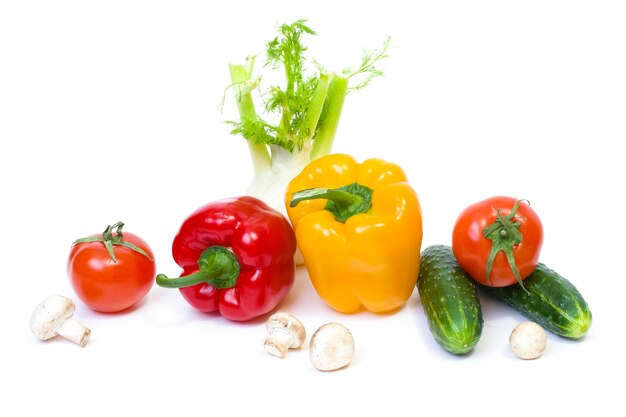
50, 314
528, 340
286, 322
332, 347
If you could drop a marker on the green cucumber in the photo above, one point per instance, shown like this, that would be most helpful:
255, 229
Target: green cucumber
552, 302
450, 302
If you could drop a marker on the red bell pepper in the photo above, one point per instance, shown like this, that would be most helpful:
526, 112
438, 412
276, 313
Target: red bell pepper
237, 257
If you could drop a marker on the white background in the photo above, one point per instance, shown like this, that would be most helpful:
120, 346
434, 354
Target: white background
111, 111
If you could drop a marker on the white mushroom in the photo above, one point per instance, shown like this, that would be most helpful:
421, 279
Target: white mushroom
285, 332
54, 316
528, 340
332, 347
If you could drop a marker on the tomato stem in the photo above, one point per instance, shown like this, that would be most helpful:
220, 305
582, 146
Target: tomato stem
110, 241
504, 234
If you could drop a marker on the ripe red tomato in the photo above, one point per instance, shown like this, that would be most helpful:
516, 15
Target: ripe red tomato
520, 234
111, 280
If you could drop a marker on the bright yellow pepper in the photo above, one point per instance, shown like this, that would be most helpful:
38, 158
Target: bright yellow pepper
357, 252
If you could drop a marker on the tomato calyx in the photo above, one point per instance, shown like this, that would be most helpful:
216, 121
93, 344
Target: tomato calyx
504, 235
109, 240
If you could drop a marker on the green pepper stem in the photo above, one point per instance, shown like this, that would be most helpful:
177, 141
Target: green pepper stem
340, 197
343, 202
217, 266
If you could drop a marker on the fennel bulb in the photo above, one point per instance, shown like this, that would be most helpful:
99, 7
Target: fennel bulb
307, 111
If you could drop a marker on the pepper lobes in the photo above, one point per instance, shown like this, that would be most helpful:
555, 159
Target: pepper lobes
237, 257
364, 257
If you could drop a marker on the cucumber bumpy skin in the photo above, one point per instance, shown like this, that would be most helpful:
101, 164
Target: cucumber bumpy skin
450, 301
552, 301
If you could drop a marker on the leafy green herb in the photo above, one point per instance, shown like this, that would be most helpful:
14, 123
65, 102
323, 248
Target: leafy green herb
368, 61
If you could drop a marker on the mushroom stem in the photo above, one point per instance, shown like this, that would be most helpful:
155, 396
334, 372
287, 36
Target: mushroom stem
74, 331
53, 316
279, 342
285, 332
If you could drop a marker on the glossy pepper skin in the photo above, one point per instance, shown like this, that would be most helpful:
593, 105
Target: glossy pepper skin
263, 244
371, 260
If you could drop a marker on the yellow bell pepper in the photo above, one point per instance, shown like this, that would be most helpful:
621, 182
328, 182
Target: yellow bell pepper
359, 228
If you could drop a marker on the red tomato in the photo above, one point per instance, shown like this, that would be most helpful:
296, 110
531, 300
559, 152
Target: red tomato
521, 233
109, 285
